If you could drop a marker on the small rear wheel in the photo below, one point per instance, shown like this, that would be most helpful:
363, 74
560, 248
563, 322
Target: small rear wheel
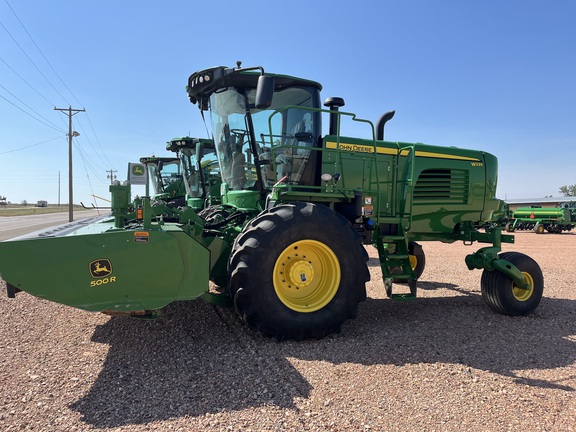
417, 259
501, 293
539, 228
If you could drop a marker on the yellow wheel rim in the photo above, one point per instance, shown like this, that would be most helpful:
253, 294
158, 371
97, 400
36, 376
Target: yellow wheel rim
413, 261
524, 294
306, 276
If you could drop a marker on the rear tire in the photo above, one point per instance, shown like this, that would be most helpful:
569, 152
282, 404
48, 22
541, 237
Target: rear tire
298, 271
503, 296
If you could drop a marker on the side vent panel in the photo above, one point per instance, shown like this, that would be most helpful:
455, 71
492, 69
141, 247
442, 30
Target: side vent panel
447, 186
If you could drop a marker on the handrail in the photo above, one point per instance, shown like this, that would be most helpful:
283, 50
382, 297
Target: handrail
409, 183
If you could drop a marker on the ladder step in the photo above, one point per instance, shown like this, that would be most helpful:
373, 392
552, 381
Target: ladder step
392, 238
397, 257
400, 276
402, 297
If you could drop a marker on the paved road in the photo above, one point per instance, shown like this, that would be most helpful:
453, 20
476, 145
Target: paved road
14, 226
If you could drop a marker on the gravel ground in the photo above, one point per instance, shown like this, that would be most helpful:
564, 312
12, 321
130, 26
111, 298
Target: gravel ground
443, 362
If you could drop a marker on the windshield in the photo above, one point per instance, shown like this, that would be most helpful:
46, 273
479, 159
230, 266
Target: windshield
166, 178
193, 180
284, 135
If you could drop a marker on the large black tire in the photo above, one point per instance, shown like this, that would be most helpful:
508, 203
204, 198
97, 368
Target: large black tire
298, 271
502, 295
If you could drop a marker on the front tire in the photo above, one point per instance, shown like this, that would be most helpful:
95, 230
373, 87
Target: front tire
298, 271
503, 296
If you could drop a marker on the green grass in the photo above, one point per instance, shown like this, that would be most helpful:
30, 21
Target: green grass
31, 210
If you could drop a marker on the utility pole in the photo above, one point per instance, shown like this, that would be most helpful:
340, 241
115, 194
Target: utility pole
111, 176
71, 134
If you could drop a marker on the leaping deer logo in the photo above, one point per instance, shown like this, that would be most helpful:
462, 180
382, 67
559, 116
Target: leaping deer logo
138, 170
100, 268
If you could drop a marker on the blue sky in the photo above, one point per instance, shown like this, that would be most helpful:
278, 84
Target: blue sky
498, 76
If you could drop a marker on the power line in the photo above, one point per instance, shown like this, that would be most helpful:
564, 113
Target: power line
31, 61
87, 175
97, 153
30, 108
27, 113
97, 140
31, 145
26, 82
42, 54
86, 159
101, 155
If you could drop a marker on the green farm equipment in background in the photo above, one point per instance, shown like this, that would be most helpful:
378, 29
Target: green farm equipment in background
541, 219
200, 172
283, 240
165, 177
181, 180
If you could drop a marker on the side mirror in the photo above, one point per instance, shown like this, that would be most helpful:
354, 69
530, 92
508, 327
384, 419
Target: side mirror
160, 165
264, 91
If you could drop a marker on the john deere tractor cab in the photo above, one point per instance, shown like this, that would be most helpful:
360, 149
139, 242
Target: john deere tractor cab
259, 146
201, 181
284, 239
165, 177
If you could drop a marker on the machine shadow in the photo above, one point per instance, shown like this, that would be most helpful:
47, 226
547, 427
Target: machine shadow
202, 359
197, 359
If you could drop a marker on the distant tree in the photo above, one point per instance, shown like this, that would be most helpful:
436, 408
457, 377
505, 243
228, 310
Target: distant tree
24, 203
569, 190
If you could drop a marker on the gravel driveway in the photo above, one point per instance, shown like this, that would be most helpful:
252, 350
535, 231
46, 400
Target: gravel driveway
443, 362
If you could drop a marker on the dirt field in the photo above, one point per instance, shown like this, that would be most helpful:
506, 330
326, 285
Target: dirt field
443, 362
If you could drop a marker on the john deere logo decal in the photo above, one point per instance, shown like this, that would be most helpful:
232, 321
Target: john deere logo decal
100, 268
137, 170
